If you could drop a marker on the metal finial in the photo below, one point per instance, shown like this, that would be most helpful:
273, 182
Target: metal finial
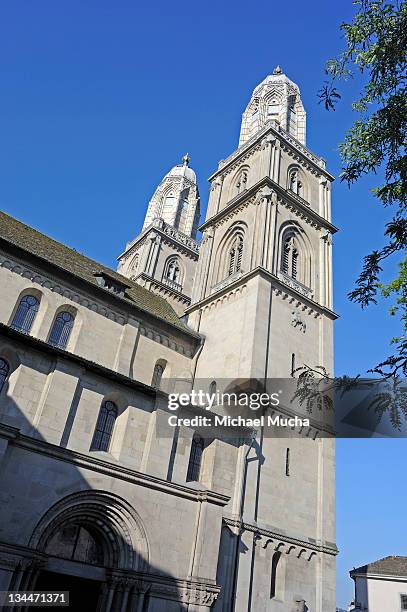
185, 160
277, 70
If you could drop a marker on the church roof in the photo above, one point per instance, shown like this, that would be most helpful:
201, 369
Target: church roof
70, 261
182, 170
388, 566
276, 77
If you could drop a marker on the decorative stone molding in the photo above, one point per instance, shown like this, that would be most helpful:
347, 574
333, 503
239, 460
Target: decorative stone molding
152, 334
291, 544
295, 284
298, 151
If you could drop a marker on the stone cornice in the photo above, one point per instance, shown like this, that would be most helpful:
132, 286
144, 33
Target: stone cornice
285, 197
279, 537
184, 243
109, 468
181, 297
278, 285
318, 163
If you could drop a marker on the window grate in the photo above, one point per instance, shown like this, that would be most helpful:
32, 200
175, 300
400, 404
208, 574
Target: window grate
104, 427
403, 602
25, 314
61, 330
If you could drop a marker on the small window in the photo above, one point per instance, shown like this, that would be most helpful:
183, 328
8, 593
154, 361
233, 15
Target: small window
157, 375
61, 330
273, 578
195, 458
104, 427
403, 602
212, 388
25, 314
287, 462
4, 372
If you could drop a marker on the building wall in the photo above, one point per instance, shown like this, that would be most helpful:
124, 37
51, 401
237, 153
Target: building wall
379, 593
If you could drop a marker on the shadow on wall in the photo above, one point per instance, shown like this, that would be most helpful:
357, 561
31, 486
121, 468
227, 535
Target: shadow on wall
60, 533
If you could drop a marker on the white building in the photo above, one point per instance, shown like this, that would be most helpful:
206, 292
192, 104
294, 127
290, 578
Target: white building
381, 586
92, 499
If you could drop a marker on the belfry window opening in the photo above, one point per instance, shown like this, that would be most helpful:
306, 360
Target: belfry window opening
235, 256
290, 257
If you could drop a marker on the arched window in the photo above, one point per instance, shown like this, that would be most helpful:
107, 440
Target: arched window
157, 375
104, 426
273, 578
212, 388
4, 372
25, 314
61, 329
235, 255
195, 458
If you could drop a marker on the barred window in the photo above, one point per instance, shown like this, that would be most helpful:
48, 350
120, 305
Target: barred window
403, 602
4, 372
25, 314
104, 426
195, 458
294, 264
61, 329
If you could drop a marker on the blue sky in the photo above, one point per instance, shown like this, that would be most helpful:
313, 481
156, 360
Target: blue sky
99, 99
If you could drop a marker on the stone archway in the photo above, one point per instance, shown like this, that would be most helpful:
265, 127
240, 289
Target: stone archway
93, 542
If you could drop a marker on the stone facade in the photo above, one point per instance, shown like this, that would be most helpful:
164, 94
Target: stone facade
112, 510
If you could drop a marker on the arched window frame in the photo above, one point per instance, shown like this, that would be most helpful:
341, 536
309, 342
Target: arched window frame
25, 313
296, 182
4, 372
61, 329
173, 272
195, 458
296, 255
103, 434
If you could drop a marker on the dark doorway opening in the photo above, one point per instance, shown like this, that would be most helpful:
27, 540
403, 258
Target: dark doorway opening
83, 593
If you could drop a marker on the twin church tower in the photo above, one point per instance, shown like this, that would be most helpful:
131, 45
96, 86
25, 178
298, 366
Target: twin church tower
266, 238
258, 290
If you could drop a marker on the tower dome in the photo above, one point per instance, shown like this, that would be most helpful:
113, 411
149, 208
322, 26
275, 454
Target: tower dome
183, 170
176, 200
277, 99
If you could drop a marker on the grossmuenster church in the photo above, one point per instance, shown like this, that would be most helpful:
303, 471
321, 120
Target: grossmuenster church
92, 500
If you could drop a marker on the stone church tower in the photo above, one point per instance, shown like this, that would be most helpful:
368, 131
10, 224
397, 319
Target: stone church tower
163, 257
262, 299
